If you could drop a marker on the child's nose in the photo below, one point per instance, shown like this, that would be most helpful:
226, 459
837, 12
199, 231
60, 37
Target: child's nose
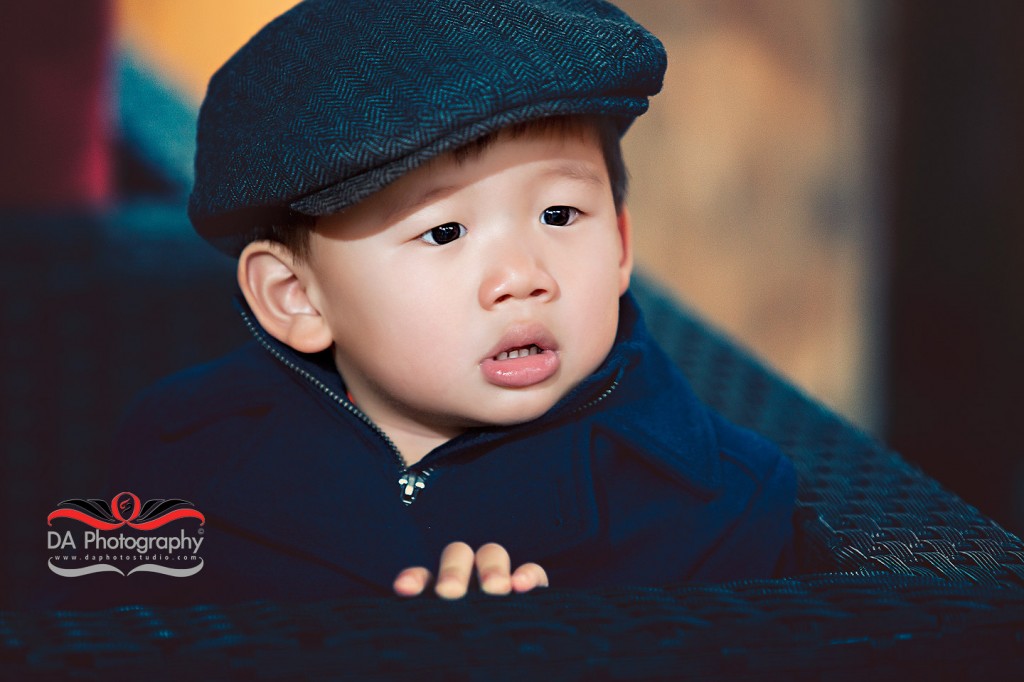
517, 272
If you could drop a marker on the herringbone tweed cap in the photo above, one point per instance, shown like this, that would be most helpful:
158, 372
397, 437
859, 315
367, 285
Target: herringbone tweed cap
335, 99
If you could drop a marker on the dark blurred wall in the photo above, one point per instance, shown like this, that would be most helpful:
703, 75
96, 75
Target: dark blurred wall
55, 178
56, 116
956, 238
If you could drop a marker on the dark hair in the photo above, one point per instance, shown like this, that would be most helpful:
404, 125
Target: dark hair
292, 232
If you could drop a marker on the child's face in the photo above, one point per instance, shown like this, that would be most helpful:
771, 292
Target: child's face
431, 285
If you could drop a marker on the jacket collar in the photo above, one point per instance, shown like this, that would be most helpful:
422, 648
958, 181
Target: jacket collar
652, 407
656, 412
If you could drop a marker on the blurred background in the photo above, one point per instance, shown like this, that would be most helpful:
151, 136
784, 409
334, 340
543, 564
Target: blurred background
836, 184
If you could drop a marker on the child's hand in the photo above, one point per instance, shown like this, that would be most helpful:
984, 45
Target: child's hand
492, 565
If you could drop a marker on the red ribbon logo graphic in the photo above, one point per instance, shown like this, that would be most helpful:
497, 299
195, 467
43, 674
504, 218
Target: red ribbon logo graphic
125, 509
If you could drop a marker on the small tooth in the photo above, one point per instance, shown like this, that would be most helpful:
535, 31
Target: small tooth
523, 352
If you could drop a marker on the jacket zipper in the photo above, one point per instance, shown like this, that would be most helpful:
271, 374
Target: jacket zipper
607, 392
410, 480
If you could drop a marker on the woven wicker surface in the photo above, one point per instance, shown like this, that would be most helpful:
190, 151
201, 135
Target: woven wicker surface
898, 577
816, 627
861, 507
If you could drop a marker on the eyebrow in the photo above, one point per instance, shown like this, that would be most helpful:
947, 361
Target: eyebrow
410, 205
575, 170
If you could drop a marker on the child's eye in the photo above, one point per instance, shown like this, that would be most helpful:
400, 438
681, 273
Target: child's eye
559, 216
443, 234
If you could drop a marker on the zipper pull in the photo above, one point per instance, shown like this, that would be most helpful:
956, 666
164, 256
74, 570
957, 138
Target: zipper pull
412, 483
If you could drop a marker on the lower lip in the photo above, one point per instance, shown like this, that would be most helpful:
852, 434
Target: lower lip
521, 372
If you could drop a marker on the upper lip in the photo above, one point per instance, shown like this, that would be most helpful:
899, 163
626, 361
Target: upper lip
522, 335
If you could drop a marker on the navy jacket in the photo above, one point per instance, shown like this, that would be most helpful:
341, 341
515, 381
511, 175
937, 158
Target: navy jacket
628, 480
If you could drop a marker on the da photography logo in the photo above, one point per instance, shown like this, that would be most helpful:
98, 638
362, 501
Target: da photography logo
125, 536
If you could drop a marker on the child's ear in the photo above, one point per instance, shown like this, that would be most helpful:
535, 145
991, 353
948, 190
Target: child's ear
626, 235
274, 285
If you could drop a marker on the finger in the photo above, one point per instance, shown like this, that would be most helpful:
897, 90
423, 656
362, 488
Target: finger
411, 581
493, 567
455, 570
529, 576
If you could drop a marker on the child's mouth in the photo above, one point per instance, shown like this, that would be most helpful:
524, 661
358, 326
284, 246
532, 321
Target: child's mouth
525, 356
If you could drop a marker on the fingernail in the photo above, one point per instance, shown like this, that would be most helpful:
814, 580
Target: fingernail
449, 589
495, 584
408, 584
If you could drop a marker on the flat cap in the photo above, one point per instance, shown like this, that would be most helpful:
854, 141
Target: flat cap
335, 99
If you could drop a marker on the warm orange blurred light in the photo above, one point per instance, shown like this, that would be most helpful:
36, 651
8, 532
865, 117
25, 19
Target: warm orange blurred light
187, 40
